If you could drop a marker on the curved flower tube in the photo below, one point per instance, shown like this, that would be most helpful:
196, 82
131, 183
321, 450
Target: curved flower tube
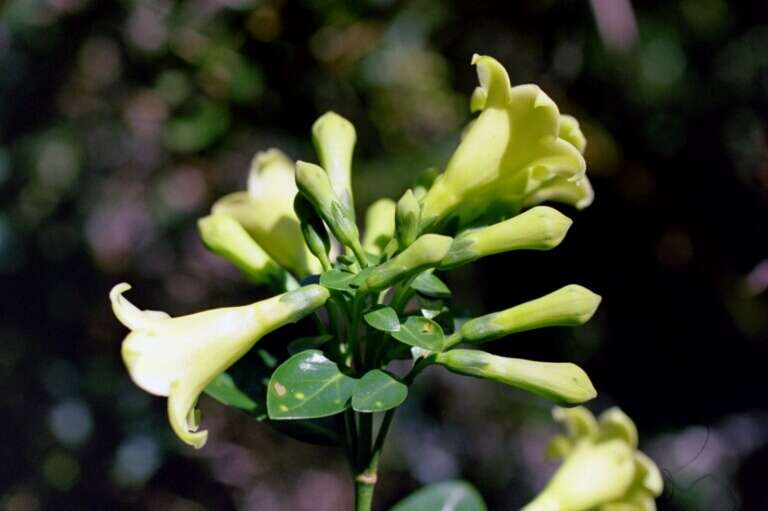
266, 212
179, 357
602, 468
518, 144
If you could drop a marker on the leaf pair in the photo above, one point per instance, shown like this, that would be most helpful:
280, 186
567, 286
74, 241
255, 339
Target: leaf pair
309, 385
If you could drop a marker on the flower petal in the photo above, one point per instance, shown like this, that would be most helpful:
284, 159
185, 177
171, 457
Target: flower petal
130, 315
181, 403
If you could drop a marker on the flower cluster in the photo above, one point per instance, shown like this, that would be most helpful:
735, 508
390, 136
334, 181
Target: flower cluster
377, 299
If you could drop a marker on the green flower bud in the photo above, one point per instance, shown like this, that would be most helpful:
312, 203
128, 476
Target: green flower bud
407, 219
379, 226
592, 475
314, 184
562, 382
568, 306
266, 212
312, 227
179, 357
224, 236
511, 150
540, 228
334, 138
426, 252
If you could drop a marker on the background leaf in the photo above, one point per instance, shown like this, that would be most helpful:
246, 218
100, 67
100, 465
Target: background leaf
308, 385
446, 496
378, 391
336, 279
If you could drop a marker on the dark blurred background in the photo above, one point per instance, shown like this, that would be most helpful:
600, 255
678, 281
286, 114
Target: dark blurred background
122, 121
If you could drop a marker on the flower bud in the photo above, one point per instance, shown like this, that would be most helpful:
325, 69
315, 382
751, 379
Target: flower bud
379, 225
568, 306
312, 227
562, 382
314, 184
223, 235
334, 139
407, 219
510, 151
426, 252
266, 212
540, 228
592, 475
179, 357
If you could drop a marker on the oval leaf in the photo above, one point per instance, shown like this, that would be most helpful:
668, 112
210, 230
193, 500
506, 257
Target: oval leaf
378, 391
421, 332
428, 284
447, 496
306, 386
383, 318
336, 279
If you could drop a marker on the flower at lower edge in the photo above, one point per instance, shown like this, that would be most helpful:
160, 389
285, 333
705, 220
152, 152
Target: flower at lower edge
178, 357
517, 147
266, 212
602, 468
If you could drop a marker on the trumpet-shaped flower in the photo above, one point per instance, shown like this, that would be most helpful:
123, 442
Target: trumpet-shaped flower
266, 212
517, 146
179, 357
602, 468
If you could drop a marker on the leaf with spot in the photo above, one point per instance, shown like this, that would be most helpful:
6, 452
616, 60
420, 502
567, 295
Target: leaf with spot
383, 318
421, 332
428, 284
446, 496
378, 391
308, 385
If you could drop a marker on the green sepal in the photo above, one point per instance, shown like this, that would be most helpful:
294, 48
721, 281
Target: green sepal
308, 385
378, 391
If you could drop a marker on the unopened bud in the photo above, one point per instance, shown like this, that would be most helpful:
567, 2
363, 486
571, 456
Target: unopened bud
540, 228
426, 252
407, 219
334, 138
562, 382
379, 226
313, 230
568, 306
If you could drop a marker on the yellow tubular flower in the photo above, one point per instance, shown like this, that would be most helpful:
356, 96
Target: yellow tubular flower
511, 150
266, 212
179, 357
602, 468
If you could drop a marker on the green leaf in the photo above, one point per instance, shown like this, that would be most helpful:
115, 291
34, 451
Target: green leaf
308, 385
224, 390
361, 276
421, 332
336, 279
428, 284
446, 496
378, 391
383, 318
308, 343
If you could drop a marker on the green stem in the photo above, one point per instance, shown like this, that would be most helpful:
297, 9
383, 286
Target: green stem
452, 340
